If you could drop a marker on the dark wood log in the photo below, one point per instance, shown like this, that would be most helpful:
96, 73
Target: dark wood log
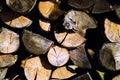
109, 56
102, 6
78, 21
21, 6
36, 43
79, 57
9, 41
112, 30
58, 56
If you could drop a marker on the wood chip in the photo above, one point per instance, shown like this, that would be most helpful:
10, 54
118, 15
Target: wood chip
58, 56
9, 41
112, 30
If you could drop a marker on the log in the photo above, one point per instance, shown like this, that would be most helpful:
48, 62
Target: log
78, 21
112, 30
35, 43
79, 58
117, 10
109, 56
9, 41
69, 40
86, 76
21, 6
63, 73
58, 56
7, 60
45, 25
15, 20
102, 6
117, 77
3, 73
37, 68
81, 4
50, 10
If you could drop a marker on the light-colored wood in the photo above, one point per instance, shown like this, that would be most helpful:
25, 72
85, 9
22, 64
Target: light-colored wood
62, 73
78, 21
69, 40
3, 73
38, 68
112, 30
35, 43
58, 56
50, 10
45, 26
7, 60
21, 6
15, 20
9, 41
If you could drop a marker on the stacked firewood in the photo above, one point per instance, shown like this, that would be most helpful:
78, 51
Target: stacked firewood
59, 40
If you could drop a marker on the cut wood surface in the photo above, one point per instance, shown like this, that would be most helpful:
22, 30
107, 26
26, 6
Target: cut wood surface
15, 20
81, 4
79, 57
7, 60
78, 21
69, 40
3, 73
9, 41
50, 10
36, 43
45, 26
117, 77
63, 73
112, 30
37, 68
110, 56
58, 56
21, 6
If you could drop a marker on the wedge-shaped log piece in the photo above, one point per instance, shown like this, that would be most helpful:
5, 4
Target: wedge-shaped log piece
37, 68
58, 56
50, 10
79, 57
78, 21
109, 56
86, 76
21, 6
15, 20
9, 41
3, 72
69, 40
81, 4
36, 43
7, 60
63, 73
102, 6
45, 26
112, 30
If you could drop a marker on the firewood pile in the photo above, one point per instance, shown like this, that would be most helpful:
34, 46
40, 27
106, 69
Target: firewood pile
59, 39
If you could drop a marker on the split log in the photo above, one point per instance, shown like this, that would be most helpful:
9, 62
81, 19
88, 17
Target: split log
45, 26
112, 30
102, 6
69, 40
36, 43
37, 68
79, 57
15, 20
78, 21
9, 41
3, 73
63, 73
81, 4
7, 60
109, 56
21, 6
58, 56
50, 10
86, 76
